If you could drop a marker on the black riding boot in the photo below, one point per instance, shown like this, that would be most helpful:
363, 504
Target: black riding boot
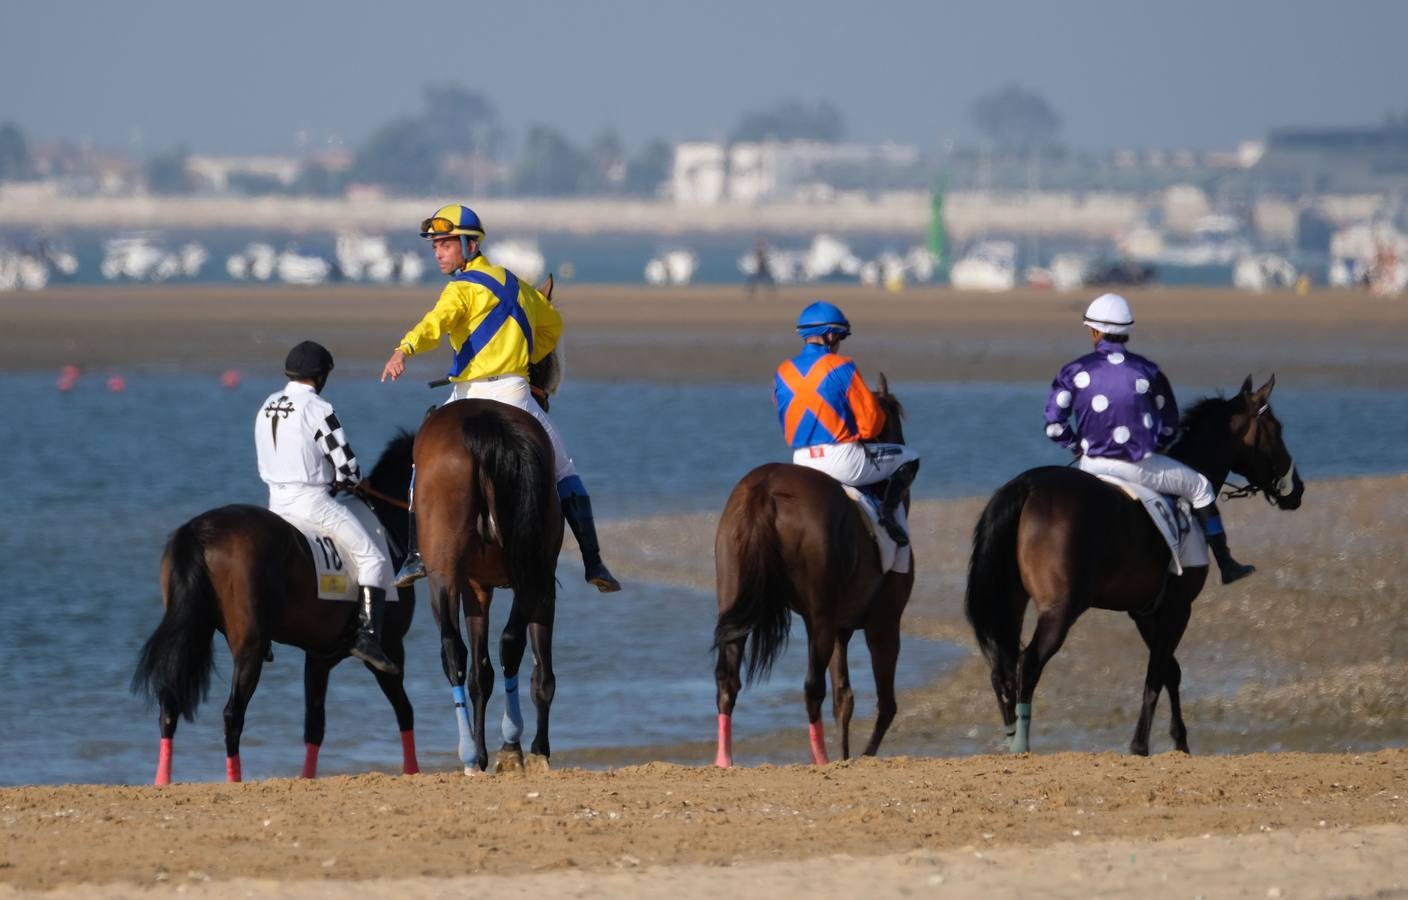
894, 493
367, 647
1217, 542
577, 510
412, 567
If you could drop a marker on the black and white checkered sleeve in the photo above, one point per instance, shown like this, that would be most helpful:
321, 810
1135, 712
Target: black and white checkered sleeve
333, 442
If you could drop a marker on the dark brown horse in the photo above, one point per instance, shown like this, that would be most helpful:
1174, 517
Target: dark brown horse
248, 573
1065, 541
791, 540
488, 516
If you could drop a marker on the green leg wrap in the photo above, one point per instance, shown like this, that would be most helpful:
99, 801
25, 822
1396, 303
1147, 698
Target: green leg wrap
1020, 741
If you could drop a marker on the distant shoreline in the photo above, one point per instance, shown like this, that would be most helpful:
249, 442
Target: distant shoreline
966, 214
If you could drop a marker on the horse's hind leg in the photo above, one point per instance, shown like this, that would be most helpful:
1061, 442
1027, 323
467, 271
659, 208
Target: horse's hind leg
481, 670
394, 687
512, 644
168, 722
544, 683
728, 682
315, 695
249, 661
821, 643
454, 657
1052, 625
843, 699
1161, 633
883, 640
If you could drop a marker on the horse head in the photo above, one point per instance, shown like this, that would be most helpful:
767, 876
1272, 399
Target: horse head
893, 432
545, 376
392, 476
1263, 459
1242, 434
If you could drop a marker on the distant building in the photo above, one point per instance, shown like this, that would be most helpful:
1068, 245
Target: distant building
215, 172
752, 172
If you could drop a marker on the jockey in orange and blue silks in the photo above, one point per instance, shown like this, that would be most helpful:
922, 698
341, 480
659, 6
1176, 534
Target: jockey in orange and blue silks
830, 418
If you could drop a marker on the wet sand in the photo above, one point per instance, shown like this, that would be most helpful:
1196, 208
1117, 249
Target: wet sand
719, 333
1310, 654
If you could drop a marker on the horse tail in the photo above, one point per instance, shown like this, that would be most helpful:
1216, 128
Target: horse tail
992, 571
517, 471
176, 662
756, 603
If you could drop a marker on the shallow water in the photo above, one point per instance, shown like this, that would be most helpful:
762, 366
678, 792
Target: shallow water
98, 479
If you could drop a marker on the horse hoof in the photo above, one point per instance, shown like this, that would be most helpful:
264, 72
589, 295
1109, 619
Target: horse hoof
473, 772
508, 762
534, 764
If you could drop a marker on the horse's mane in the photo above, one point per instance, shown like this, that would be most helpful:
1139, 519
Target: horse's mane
1207, 411
892, 405
395, 460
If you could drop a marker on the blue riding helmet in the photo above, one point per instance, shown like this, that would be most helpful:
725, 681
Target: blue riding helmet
822, 318
453, 219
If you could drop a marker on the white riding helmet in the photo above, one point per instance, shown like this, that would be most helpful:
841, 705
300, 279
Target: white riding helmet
1110, 314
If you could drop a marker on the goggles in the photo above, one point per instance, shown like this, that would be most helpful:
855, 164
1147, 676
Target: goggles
437, 225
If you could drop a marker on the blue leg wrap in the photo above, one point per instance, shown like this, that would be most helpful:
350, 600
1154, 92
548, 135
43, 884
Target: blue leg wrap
571, 486
411, 490
1213, 526
466, 747
513, 712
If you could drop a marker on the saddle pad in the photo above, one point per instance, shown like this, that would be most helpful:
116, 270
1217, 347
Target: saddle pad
336, 571
892, 558
1186, 545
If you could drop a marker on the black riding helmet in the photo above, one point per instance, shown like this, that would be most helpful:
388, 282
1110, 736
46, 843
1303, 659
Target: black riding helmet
311, 361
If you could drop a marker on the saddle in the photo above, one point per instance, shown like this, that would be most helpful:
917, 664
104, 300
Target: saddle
1173, 516
893, 558
337, 573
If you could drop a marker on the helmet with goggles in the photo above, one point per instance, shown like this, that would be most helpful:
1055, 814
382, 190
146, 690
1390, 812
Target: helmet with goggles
820, 319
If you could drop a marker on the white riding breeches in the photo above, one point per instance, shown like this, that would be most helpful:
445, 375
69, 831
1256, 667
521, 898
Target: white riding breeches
311, 503
1156, 471
514, 390
855, 463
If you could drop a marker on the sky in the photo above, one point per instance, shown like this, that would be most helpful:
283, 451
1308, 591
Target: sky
252, 76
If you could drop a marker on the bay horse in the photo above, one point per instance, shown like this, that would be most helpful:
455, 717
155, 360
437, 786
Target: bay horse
791, 540
488, 515
246, 572
1065, 541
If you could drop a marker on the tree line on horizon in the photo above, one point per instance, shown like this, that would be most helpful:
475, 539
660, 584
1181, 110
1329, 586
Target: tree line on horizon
458, 143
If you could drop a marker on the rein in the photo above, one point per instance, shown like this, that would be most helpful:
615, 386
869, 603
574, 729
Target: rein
364, 488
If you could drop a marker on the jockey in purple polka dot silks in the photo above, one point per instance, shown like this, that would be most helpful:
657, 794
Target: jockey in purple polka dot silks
1125, 415
830, 418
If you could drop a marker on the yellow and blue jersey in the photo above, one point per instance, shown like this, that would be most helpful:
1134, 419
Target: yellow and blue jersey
496, 324
821, 399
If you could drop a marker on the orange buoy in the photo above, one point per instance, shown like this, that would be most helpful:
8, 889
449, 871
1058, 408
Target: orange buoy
230, 378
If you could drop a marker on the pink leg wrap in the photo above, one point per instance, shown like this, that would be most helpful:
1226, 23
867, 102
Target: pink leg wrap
163, 763
818, 736
409, 766
232, 769
724, 758
310, 761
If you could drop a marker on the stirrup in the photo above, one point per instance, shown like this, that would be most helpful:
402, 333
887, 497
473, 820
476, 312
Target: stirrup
601, 577
411, 571
368, 650
1234, 571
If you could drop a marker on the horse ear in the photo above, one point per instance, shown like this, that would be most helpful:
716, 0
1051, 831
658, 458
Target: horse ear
1263, 394
884, 384
546, 287
1247, 387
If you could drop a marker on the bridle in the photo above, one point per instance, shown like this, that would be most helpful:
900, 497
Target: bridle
1273, 494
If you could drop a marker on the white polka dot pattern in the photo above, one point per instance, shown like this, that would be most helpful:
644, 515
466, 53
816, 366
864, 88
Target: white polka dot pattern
1159, 401
1116, 358
1099, 403
1141, 385
1054, 430
1063, 399
1082, 380
1121, 435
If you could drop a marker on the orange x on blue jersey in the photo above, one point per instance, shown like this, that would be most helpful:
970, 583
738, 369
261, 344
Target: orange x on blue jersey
821, 399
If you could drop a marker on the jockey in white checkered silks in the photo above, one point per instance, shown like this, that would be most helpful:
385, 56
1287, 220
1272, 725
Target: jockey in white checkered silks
302, 452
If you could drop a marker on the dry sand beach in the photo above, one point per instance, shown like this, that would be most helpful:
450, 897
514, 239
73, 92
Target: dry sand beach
1312, 653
